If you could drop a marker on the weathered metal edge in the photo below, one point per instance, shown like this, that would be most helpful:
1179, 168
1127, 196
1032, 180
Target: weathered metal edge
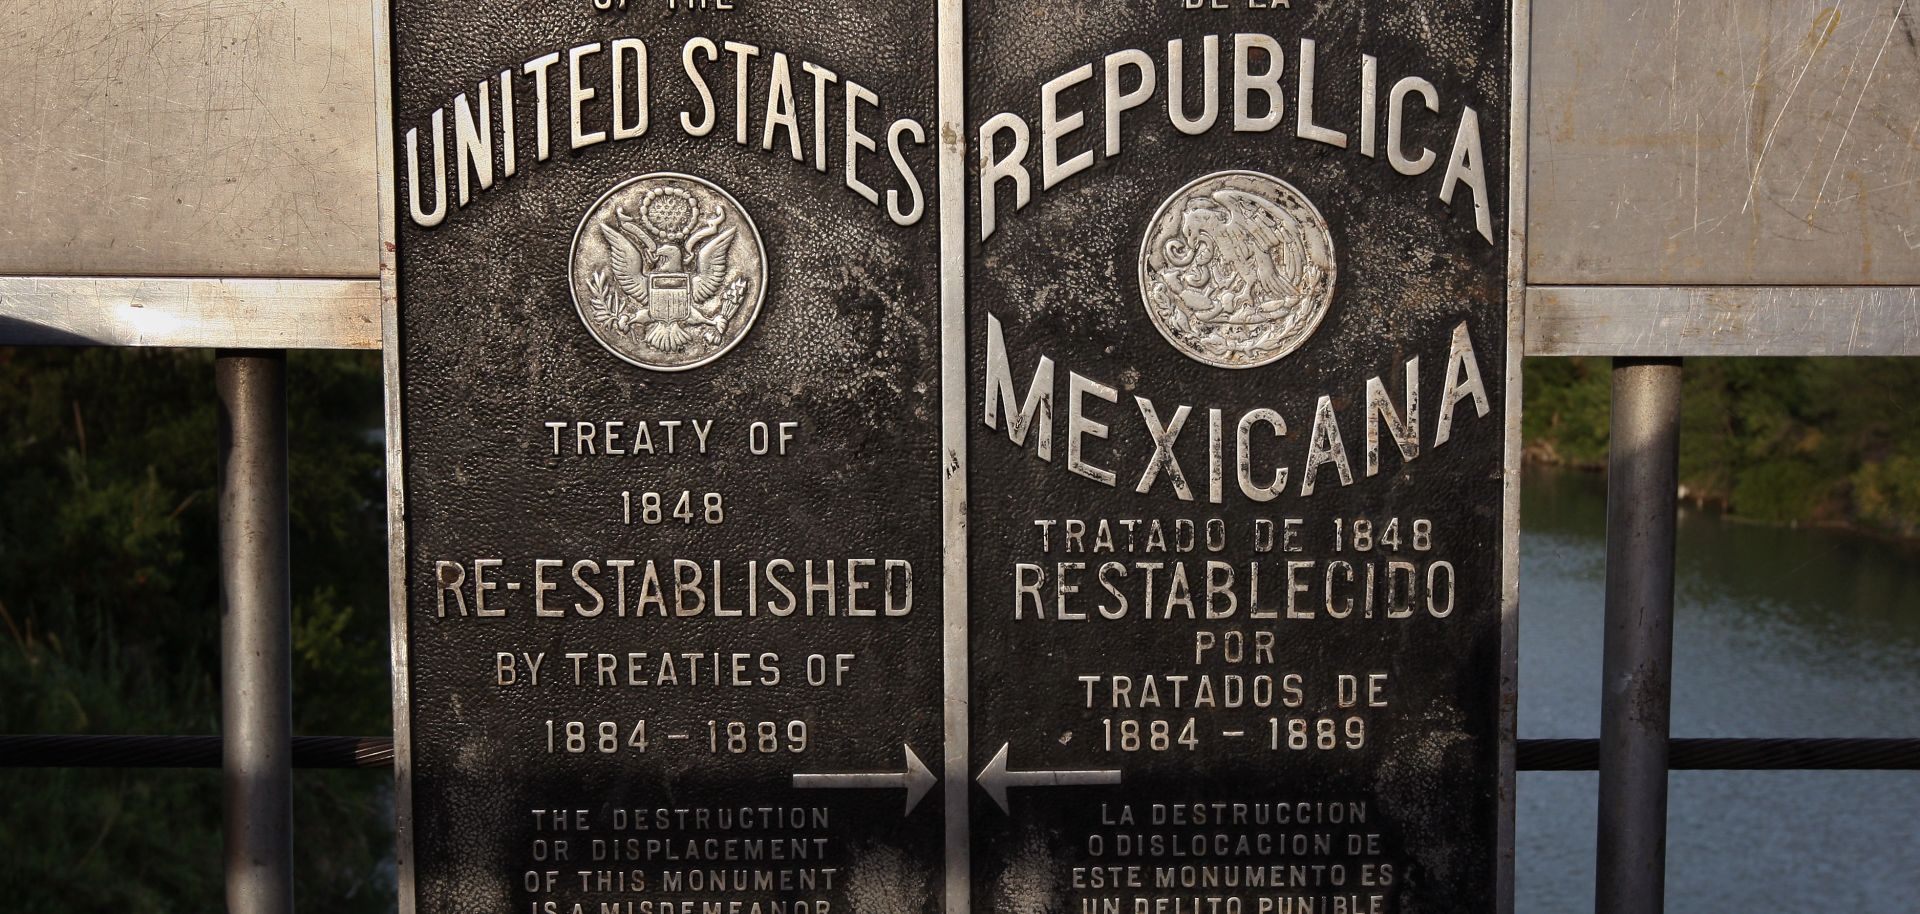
1723, 320
299, 313
1520, 43
956, 768
396, 462
211, 312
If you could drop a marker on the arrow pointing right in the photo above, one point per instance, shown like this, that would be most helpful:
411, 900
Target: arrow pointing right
996, 778
916, 779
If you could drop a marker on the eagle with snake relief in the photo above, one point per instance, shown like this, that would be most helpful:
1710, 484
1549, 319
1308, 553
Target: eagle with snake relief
1237, 268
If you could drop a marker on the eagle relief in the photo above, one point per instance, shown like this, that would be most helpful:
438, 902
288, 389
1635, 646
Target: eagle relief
1237, 269
667, 271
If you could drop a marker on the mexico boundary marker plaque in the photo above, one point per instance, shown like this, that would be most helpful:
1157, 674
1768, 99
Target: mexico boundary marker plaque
949, 456
668, 368
1241, 347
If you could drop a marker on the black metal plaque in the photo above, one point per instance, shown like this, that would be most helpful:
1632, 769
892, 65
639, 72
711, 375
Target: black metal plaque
1238, 324
1207, 389
668, 351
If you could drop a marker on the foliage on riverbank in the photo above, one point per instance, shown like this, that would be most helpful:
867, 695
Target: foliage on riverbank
1817, 441
110, 624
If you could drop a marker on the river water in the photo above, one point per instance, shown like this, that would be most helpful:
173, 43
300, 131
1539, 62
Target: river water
1778, 633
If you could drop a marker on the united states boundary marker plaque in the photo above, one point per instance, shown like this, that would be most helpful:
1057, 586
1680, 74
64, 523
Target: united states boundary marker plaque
667, 355
878, 457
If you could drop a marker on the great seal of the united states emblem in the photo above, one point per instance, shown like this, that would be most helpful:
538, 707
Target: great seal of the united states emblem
667, 271
1237, 269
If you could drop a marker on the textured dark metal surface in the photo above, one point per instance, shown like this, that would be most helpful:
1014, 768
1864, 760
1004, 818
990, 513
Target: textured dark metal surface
506, 324
1408, 818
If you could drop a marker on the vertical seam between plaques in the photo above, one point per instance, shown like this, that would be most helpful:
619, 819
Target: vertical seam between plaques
954, 645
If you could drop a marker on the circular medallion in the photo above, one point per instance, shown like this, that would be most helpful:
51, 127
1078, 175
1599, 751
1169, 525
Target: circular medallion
667, 271
1236, 269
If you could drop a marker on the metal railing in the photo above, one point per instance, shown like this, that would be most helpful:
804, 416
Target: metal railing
256, 630
1643, 469
1633, 754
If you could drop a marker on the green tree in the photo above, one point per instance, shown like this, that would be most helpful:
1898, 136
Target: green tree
1831, 441
109, 596
1565, 415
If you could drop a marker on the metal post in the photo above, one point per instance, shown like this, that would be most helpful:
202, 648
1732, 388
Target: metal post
1642, 479
256, 643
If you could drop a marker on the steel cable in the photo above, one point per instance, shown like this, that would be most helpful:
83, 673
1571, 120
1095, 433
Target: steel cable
1532, 754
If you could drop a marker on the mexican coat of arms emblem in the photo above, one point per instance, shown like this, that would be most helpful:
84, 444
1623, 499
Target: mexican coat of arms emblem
1237, 269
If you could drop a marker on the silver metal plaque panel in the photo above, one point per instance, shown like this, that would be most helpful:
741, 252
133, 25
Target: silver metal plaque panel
1772, 142
183, 138
1677, 145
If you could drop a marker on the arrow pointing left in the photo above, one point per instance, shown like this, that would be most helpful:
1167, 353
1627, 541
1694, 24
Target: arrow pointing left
997, 777
916, 779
